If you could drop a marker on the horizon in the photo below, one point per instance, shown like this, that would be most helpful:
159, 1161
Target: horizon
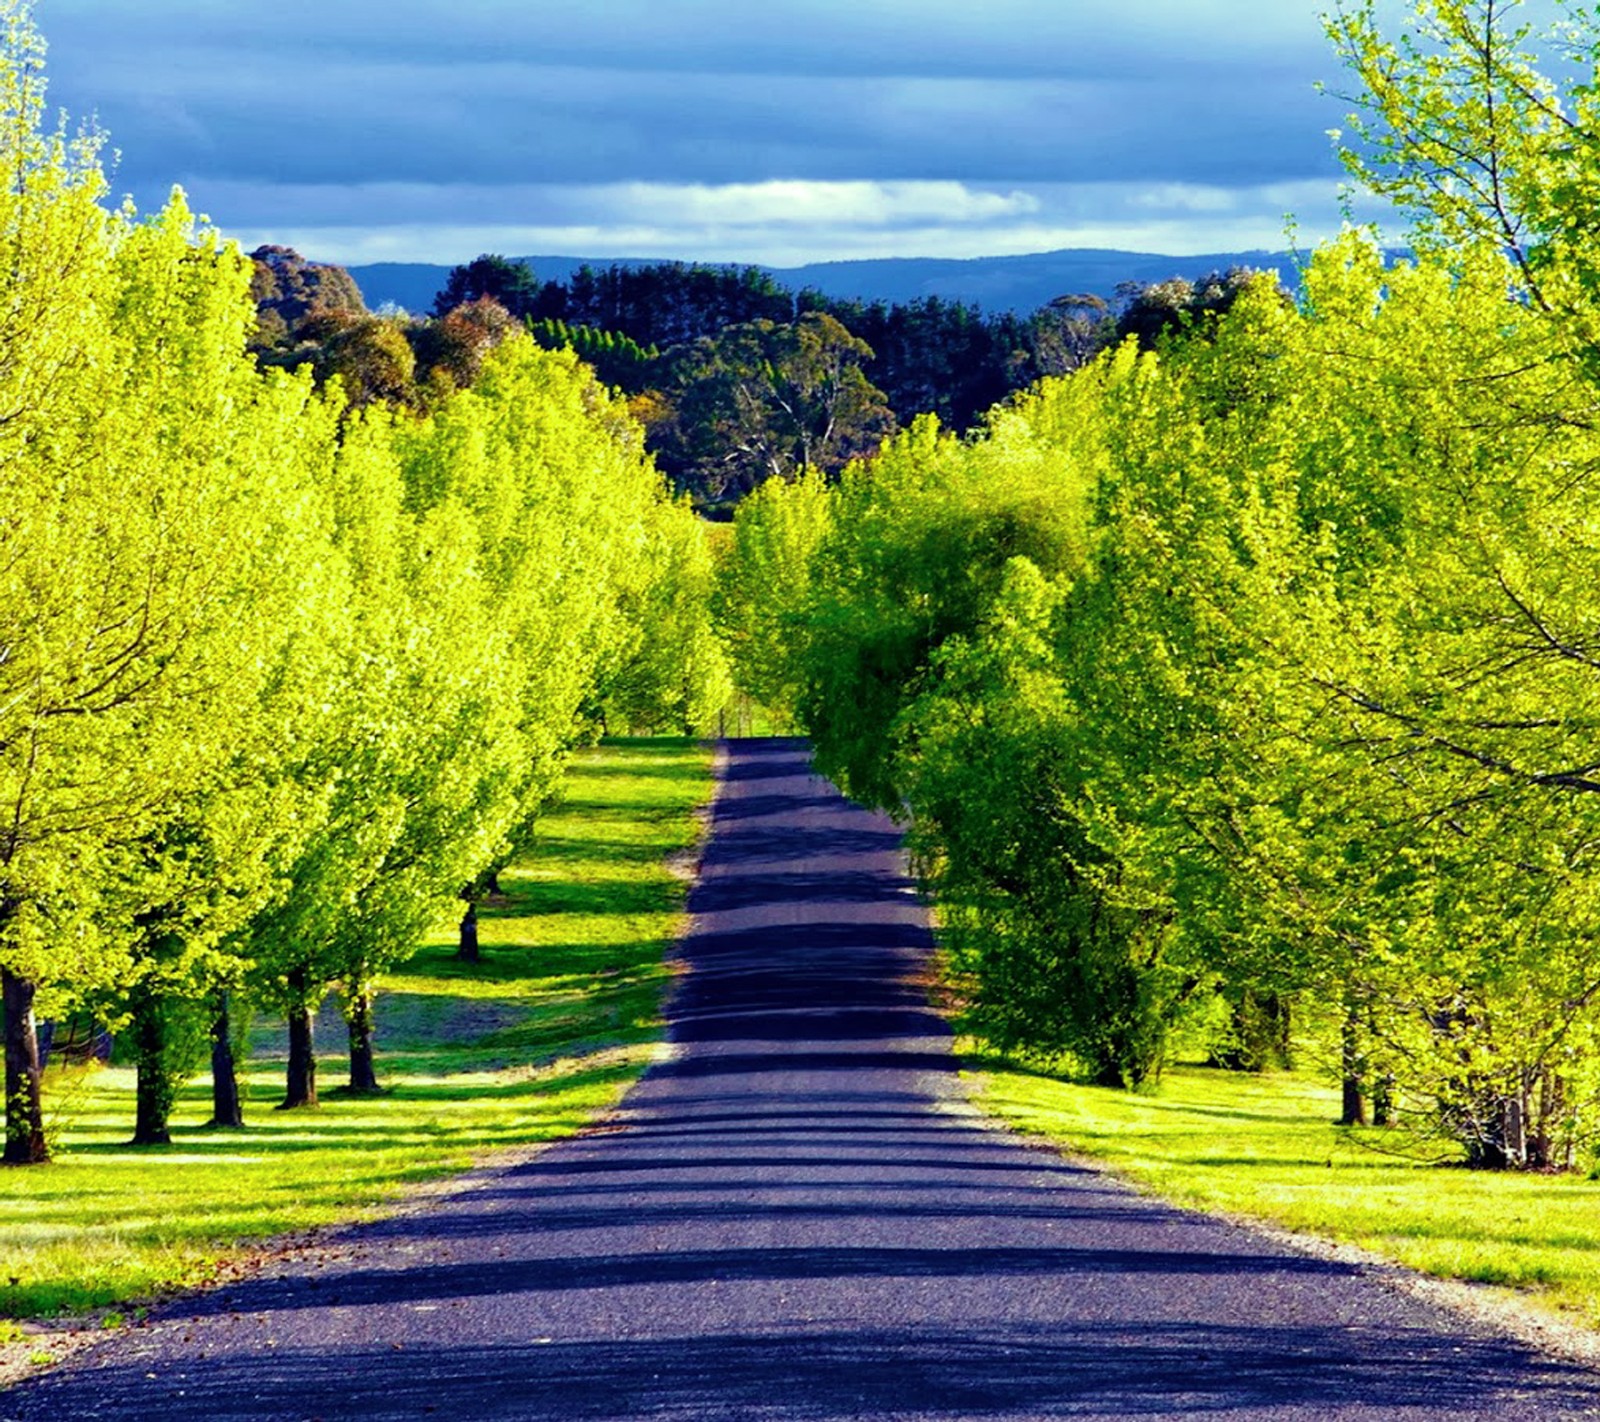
635, 259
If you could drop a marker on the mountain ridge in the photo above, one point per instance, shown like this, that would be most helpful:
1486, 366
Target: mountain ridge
1020, 283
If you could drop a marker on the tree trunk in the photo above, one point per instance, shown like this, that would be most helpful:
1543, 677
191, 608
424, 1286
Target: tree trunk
1383, 1099
1514, 1133
302, 1080
467, 951
25, 1142
153, 1090
1281, 1015
1353, 1105
227, 1111
358, 1017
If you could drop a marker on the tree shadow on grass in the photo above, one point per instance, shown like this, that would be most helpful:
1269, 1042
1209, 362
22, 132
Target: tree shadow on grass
522, 963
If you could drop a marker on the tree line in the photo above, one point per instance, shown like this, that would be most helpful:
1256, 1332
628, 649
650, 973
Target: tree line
733, 377
287, 666
1248, 682
736, 378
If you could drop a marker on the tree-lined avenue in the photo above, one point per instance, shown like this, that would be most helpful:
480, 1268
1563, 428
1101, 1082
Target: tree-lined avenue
796, 1217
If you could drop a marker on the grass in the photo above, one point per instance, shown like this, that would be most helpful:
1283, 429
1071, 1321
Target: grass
524, 1048
1265, 1147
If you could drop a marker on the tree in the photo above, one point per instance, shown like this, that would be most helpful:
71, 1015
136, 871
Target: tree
666, 304
369, 355
764, 399
763, 586
287, 288
452, 349
937, 357
510, 284
617, 359
136, 573
666, 668
191, 886
1067, 333
552, 473
1150, 310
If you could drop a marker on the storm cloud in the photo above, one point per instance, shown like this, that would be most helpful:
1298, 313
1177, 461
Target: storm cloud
810, 129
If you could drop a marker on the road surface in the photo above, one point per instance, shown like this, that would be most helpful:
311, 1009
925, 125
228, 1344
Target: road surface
795, 1219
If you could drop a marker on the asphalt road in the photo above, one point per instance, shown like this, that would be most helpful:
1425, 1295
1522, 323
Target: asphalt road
795, 1219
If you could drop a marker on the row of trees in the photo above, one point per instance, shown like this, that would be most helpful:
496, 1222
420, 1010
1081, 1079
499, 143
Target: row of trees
282, 680
1262, 669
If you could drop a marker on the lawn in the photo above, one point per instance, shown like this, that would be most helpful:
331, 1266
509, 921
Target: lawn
525, 1047
1265, 1147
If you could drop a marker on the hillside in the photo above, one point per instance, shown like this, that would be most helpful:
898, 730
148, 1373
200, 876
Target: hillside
1020, 284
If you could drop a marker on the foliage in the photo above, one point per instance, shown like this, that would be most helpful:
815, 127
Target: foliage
618, 360
665, 304
285, 666
656, 330
1260, 665
1150, 310
162, 510
522, 1050
489, 277
763, 583
765, 399
450, 351
667, 669
287, 288
936, 357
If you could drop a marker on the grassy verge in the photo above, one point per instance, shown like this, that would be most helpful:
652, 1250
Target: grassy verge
1265, 1147
523, 1048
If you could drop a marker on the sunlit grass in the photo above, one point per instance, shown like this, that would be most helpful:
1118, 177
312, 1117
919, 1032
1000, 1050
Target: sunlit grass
525, 1047
1266, 1147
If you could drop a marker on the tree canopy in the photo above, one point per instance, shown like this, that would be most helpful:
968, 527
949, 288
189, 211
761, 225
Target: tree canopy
1247, 669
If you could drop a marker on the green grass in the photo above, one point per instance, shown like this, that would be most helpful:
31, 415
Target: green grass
1265, 1147
523, 1048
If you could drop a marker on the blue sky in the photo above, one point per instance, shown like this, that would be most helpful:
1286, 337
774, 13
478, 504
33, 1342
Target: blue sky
780, 132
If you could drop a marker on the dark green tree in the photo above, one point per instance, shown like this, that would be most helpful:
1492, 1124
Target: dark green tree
1150, 310
512, 284
668, 303
765, 399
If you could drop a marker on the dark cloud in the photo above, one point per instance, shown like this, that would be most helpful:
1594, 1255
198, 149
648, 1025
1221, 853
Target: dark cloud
254, 105
1001, 39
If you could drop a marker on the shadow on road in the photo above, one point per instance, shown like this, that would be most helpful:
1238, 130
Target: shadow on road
1082, 1370
792, 1219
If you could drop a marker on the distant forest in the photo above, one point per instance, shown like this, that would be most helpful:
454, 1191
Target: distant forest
733, 376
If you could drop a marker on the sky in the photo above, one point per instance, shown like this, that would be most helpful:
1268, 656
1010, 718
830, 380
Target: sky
773, 131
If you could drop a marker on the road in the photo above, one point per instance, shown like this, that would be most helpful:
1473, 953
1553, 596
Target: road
796, 1218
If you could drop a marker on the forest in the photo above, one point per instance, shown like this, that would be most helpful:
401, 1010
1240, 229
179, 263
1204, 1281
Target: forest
733, 378
1232, 654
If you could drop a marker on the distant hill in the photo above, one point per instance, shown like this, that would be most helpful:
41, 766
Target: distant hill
1020, 284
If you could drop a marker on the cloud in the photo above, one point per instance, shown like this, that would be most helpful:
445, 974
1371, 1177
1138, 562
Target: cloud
809, 38
834, 127
789, 224
796, 203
